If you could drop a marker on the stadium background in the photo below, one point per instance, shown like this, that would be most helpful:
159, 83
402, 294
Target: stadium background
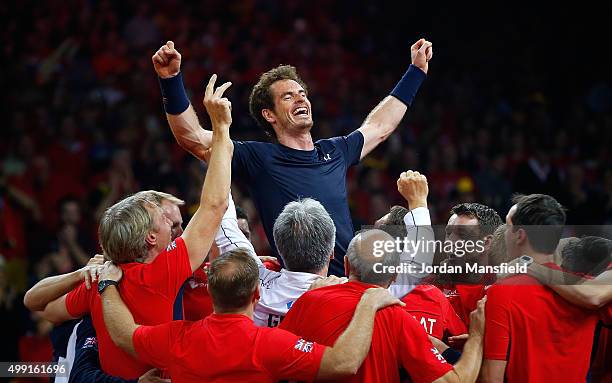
510, 85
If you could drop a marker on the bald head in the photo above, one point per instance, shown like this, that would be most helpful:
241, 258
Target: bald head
367, 249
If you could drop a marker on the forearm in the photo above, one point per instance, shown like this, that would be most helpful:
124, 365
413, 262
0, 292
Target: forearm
588, 296
189, 134
49, 289
468, 367
229, 236
118, 319
218, 176
351, 348
381, 122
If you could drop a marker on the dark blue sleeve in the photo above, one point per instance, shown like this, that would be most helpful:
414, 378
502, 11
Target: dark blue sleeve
244, 159
350, 146
86, 366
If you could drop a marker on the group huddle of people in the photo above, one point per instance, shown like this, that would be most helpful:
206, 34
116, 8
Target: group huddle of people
198, 304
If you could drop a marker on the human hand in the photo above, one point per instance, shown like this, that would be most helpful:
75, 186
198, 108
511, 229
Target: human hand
219, 108
413, 187
167, 61
420, 53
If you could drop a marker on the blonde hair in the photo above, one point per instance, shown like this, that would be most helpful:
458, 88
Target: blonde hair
123, 229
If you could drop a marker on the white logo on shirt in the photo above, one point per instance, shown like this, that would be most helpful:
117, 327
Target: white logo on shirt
327, 157
438, 355
171, 246
304, 346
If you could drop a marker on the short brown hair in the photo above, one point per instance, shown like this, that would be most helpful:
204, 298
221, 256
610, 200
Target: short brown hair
261, 96
232, 280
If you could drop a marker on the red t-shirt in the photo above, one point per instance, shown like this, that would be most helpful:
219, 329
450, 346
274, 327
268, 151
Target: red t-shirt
197, 303
398, 340
148, 290
543, 337
433, 311
227, 348
464, 297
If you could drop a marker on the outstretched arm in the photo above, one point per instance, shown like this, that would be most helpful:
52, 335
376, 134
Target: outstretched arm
588, 293
51, 288
200, 232
181, 116
385, 117
413, 187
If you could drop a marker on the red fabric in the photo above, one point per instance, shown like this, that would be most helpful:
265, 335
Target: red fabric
34, 348
433, 311
601, 370
464, 298
149, 291
550, 339
322, 315
197, 303
228, 348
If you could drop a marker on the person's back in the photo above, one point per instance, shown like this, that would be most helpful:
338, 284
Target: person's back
398, 339
210, 337
550, 338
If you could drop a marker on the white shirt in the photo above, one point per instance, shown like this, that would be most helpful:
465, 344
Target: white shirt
277, 290
418, 227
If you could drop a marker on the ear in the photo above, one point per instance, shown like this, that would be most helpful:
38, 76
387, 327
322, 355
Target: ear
269, 115
256, 295
393, 279
151, 239
488, 240
347, 266
521, 237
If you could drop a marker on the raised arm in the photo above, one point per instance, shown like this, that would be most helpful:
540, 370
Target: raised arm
202, 228
51, 288
351, 348
385, 117
413, 187
181, 116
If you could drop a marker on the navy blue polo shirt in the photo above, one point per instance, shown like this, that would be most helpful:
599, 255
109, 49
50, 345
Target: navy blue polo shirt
276, 175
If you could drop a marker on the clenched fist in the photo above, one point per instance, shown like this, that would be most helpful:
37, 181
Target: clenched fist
167, 61
420, 53
413, 187
219, 108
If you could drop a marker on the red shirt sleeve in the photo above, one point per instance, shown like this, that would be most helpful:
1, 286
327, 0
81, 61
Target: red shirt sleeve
453, 324
77, 301
153, 344
169, 270
419, 357
287, 356
497, 324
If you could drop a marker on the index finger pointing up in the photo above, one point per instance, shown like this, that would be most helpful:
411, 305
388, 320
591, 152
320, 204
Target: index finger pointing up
211, 85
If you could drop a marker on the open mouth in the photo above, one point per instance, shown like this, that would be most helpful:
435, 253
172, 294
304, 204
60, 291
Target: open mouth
301, 111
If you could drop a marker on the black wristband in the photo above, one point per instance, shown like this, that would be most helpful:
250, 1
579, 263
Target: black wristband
406, 89
174, 95
451, 355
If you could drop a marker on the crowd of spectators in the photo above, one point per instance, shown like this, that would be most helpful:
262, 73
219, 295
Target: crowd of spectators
511, 105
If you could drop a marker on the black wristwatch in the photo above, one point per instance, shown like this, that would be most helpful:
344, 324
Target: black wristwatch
102, 285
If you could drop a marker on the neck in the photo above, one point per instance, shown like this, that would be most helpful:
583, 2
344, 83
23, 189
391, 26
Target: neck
298, 141
152, 254
539, 257
246, 311
355, 278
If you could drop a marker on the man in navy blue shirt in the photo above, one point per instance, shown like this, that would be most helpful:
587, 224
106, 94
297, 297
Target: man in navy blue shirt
292, 166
